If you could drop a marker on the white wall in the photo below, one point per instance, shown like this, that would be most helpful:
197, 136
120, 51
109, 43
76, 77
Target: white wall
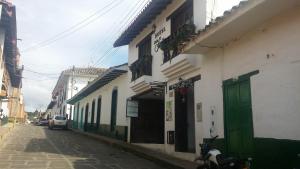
271, 48
79, 82
105, 93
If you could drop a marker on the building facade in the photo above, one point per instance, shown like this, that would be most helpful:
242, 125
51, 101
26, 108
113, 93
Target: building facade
11, 97
69, 83
235, 77
100, 107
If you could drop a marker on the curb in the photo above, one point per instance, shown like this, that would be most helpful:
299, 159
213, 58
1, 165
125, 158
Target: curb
161, 159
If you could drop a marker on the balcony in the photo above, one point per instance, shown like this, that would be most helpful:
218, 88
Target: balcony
181, 64
141, 74
141, 67
141, 84
172, 46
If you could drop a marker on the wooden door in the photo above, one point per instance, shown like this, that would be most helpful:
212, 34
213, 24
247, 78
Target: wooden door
238, 117
114, 103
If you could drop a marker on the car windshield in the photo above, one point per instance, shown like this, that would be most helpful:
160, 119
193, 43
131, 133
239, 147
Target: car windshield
60, 118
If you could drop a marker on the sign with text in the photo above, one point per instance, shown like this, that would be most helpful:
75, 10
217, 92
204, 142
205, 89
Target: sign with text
132, 108
161, 32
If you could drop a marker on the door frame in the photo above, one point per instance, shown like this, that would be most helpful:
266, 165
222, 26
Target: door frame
230, 82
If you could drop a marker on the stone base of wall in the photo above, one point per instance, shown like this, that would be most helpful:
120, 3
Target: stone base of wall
119, 133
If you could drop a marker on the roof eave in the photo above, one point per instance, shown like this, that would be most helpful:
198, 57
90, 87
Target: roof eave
96, 84
148, 14
241, 20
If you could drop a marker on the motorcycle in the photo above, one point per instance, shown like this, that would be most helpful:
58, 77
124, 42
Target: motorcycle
213, 159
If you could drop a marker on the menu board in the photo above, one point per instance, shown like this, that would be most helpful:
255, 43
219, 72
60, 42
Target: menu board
132, 108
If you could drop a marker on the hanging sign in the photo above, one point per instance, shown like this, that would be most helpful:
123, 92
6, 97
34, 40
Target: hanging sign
132, 108
162, 32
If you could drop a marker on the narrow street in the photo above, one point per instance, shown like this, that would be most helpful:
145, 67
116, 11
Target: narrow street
36, 147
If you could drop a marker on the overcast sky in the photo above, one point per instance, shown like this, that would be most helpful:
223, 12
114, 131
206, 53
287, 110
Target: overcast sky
72, 32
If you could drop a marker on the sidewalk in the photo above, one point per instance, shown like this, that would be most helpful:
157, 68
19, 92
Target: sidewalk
157, 157
4, 130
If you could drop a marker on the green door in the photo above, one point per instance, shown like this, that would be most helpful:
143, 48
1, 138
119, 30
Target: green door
114, 102
238, 117
81, 119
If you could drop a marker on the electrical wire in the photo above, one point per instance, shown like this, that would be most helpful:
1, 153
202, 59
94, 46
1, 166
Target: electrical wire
115, 31
87, 21
132, 14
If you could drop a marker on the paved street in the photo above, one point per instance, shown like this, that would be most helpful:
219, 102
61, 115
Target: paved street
37, 147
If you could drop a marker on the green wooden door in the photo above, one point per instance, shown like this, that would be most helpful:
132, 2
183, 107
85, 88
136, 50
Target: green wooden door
238, 117
114, 102
81, 119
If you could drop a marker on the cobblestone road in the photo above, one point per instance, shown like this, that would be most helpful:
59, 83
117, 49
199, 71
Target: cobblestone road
37, 147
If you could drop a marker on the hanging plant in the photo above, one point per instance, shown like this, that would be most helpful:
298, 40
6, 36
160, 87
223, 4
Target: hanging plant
171, 45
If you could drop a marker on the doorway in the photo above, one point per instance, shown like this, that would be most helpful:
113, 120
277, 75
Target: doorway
98, 113
149, 126
86, 117
114, 103
185, 120
81, 119
238, 117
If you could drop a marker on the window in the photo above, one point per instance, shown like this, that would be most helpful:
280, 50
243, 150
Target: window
60, 118
183, 15
145, 47
143, 66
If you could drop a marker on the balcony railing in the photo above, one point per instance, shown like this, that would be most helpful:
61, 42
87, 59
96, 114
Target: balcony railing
141, 67
172, 45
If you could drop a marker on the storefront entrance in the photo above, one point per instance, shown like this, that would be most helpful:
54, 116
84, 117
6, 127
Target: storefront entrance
148, 127
185, 114
184, 120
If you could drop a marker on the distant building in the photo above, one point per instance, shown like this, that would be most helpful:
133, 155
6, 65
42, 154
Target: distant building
100, 107
50, 109
69, 83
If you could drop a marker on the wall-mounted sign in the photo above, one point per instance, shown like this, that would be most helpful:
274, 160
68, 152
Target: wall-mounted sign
162, 32
169, 110
199, 112
132, 108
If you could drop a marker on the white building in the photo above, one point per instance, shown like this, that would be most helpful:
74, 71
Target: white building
11, 99
101, 106
69, 83
237, 77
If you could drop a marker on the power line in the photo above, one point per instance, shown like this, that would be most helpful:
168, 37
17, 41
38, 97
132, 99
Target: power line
133, 10
85, 22
132, 14
112, 54
32, 71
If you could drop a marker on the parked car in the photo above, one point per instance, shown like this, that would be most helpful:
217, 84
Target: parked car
58, 121
42, 122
